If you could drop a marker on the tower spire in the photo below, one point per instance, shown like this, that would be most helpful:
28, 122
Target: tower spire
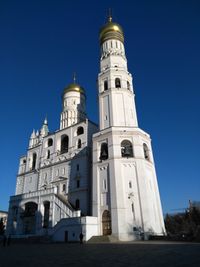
109, 15
45, 120
44, 130
74, 77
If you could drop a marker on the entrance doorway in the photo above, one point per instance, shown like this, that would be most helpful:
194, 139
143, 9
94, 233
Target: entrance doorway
106, 223
29, 218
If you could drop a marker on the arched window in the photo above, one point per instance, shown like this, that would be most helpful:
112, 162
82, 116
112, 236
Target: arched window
79, 143
50, 142
30, 209
105, 85
117, 83
77, 204
104, 151
80, 130
128, 85
126, 149
146, 152
48, 154
64, 144
34, 161
64, 187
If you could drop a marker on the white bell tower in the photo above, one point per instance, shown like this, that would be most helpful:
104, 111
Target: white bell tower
126, 198
116, 94
73, 103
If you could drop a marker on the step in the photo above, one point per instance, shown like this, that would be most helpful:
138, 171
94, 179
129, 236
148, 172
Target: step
102, 239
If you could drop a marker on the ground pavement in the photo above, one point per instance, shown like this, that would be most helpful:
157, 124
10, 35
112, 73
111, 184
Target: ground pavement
149, 253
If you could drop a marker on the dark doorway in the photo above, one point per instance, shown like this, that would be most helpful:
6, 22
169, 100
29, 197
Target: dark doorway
106, 223
46, 214
29, 218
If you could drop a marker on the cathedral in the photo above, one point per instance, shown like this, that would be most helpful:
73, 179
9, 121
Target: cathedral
90, 179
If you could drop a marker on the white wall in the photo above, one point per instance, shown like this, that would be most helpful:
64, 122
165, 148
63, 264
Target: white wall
74, 226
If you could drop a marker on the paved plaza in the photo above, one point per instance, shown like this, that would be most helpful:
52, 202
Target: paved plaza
116, 254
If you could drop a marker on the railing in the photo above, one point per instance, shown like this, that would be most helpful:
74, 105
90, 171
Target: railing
66, 209
34, 194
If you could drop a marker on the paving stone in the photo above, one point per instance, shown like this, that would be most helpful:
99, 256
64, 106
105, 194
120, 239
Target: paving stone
140, 254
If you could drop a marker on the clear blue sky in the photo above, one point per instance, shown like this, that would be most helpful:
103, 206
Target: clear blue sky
43, 42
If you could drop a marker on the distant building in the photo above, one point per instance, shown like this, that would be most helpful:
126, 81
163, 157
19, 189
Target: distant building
81, 178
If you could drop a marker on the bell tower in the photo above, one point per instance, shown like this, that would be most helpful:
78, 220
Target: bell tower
116, 94
73, 105
126, 198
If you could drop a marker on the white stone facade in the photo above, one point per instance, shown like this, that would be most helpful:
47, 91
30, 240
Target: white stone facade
54, 178
126, 186
73, 109
84, 179
126, 198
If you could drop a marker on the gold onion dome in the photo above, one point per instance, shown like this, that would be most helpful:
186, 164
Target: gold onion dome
74, 87
111, 30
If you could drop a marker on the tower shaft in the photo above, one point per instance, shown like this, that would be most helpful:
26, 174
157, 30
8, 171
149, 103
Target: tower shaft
126, 198
116, 94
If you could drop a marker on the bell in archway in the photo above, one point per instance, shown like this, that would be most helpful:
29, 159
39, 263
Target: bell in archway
127, 152
104, 155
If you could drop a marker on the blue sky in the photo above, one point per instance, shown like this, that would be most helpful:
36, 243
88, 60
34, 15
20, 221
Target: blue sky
43, 42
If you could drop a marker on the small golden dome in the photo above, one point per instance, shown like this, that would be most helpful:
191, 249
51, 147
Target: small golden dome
111, 30
74, 87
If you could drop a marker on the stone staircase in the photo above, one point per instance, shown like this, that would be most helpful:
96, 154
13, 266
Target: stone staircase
103, 239
66, 209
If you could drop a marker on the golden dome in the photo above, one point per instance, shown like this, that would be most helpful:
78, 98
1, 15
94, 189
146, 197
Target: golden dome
111, 30
74, 87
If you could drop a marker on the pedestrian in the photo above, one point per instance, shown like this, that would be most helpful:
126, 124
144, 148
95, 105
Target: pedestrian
81, 238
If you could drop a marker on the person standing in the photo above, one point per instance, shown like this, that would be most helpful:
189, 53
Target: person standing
81, 238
